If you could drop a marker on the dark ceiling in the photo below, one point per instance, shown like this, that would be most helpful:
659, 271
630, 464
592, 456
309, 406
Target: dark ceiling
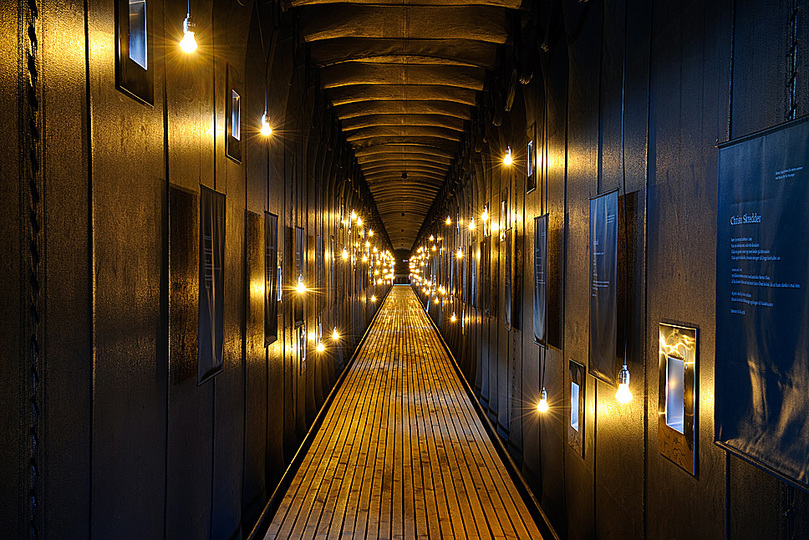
403, 77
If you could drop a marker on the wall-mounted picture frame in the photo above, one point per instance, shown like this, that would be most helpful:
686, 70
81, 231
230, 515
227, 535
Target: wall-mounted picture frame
576, 415
271, 265
134, 58
234, 106
531, 160
677, 394
211, 284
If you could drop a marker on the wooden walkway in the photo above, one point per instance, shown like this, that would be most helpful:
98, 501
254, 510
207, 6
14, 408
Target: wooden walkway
401, 452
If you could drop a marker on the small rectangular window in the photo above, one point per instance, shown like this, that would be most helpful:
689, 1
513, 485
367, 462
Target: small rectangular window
235, 115
574, 406
675, 392
530, 159
137, 32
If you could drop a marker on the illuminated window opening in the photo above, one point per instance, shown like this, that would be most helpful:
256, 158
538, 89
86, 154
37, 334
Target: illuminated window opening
137, 32
235, 115
574, 406
675, 393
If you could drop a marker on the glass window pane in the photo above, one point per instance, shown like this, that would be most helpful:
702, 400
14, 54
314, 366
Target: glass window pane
235, 115
137, 32
574, 406
675, 392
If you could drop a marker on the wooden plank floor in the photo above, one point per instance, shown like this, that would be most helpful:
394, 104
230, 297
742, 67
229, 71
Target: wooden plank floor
401, 452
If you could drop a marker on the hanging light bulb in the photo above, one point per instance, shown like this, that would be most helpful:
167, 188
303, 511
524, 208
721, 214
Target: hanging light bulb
448, 221
266, 130
345, 254
507, 158
373, 298
624, 394
436, 300
359, 222
459, 254
472, 224
542, 406
367, 243
335, 336
300, 288
353, 215
432, 238
320, 347
365, 258
485, 215
370, 232
453, 318
188, 44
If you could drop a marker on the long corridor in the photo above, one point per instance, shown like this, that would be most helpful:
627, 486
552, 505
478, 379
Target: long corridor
401, 452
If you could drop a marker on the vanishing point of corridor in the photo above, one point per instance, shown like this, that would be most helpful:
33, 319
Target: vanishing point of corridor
401, 452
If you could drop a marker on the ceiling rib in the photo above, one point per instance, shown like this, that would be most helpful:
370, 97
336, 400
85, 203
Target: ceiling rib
403, 80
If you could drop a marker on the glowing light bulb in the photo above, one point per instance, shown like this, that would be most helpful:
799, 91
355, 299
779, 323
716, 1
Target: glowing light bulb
266, 130
453, 318
367, 243
353, 215
436, 300
507, 158
472, 224
320, 347
345, 254
188, 44
624, 394
373, 298
432, 238
359, 221
542, 406
300, 288
335, 336
365, 258
448, 221
433, 247
370, 232
485, 215
459, 254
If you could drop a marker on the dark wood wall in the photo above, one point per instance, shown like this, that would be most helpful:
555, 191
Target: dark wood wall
696, 74
105, 432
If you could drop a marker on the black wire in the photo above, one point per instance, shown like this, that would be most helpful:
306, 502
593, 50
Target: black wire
623, 181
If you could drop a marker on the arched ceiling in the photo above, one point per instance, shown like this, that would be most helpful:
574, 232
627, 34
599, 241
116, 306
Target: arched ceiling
403, 77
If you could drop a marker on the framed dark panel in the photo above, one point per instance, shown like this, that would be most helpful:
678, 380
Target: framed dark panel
762, 358
507, 278
211, 284
531, 161
302, 348
299, 273
485, 277
677, 399
603, 286
183, 283
575, 424
134, 71
320, 274
540, 278
332, 271
271, 272
234, 105
505, 222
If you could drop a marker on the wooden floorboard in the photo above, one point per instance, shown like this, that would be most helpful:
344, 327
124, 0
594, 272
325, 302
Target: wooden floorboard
401, 452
